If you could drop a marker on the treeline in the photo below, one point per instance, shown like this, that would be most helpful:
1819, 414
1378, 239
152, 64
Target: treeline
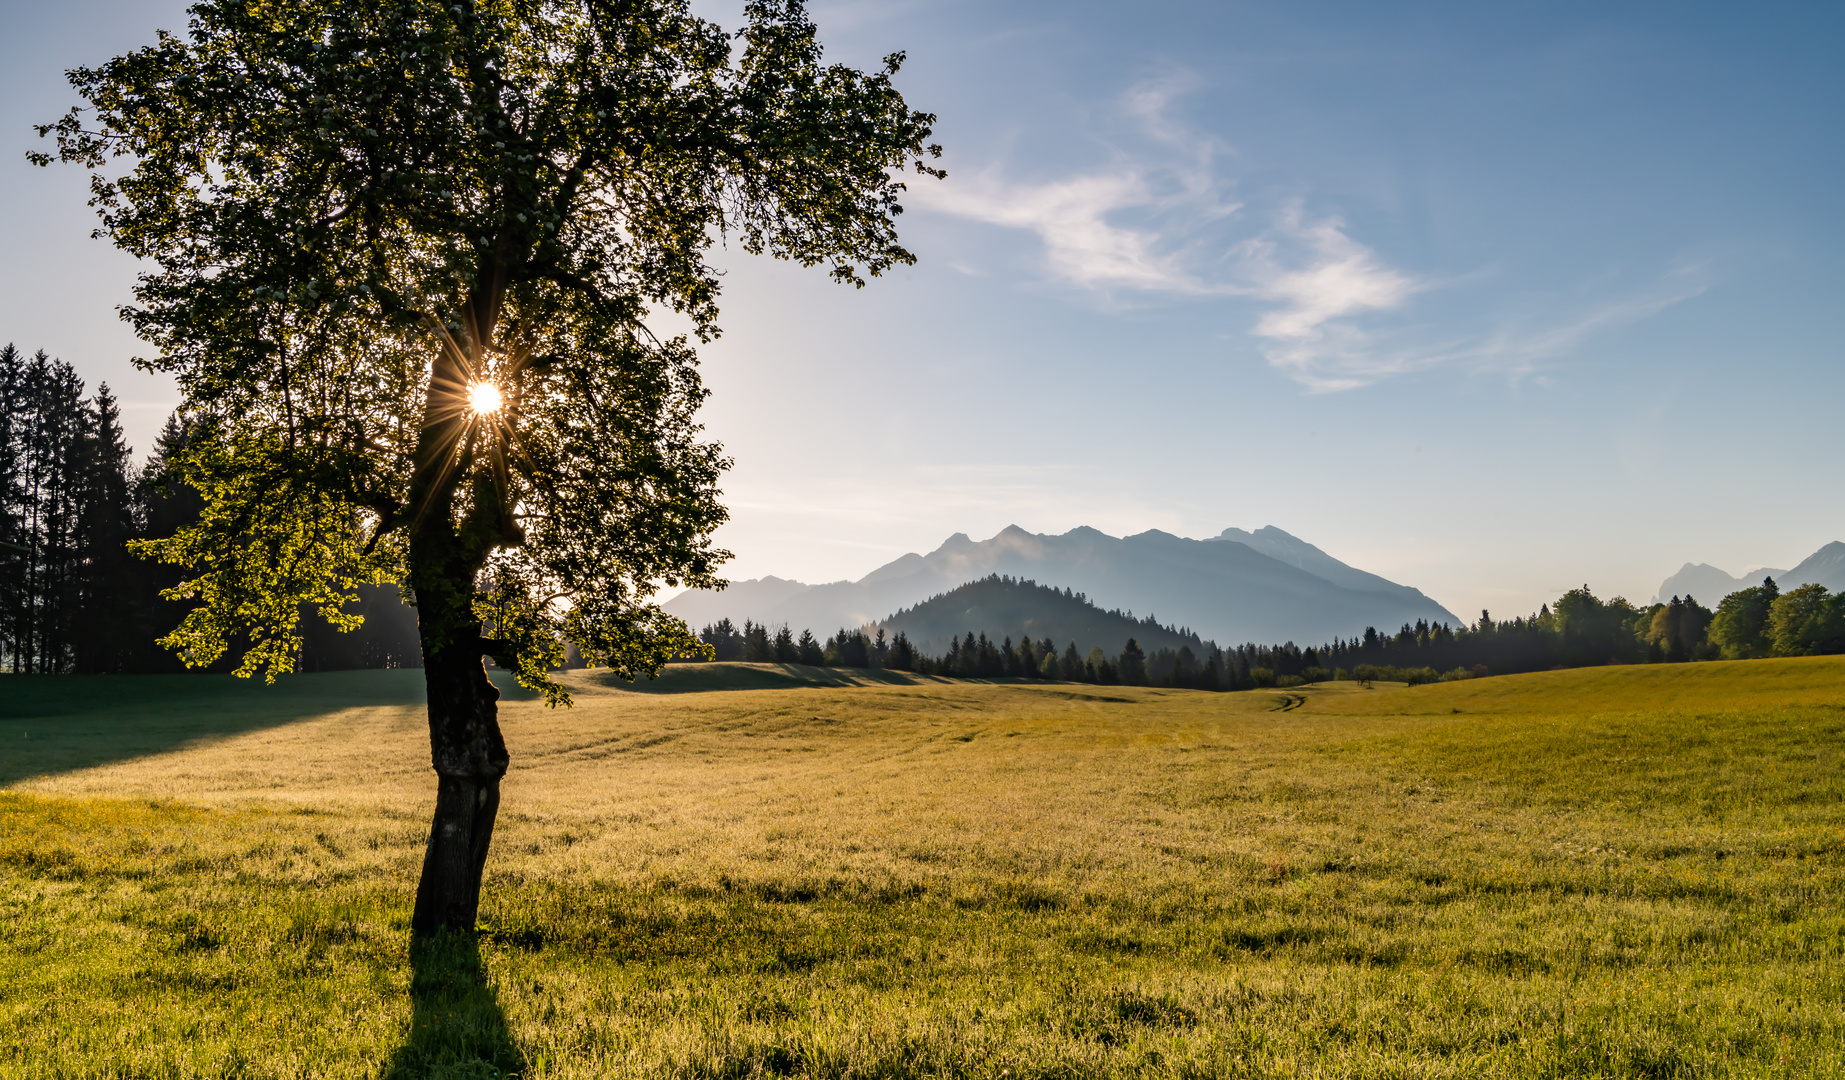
974, 656
1580, 630
73, 599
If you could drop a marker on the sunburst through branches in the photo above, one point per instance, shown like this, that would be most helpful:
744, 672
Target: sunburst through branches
484, 399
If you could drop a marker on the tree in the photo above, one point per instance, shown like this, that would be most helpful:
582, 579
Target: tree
1677, 629
1740, 627
808, 651
166, 504
107, 598
1593, 632
757, 647
1806, 622
1133, 664
405, 257
722, 641
902, 654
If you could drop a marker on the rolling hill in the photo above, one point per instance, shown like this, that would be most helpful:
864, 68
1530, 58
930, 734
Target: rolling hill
1003, 607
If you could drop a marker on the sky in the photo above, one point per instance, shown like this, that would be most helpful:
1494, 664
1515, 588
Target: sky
1493, 300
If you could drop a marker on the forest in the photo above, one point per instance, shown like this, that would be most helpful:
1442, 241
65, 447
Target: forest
73, 597
1579, 630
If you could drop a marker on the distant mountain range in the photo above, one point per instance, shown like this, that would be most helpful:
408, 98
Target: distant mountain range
1004, 608
1708, 584
1263, 586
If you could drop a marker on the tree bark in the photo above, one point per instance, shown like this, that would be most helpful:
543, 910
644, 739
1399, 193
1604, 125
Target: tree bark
469, 758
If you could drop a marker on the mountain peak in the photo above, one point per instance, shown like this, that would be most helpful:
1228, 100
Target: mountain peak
957, 542
1266, 586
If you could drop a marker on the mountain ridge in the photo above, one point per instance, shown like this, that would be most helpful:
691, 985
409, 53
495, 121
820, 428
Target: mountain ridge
1223, 588
1709, 585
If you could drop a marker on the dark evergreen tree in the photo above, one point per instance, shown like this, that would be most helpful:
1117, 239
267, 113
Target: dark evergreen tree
808, 650
111, 608
726, 643
902, 655
757, 648
1133, 664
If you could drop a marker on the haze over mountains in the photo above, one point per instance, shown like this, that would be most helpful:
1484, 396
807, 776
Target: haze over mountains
1709, 584
1263, 586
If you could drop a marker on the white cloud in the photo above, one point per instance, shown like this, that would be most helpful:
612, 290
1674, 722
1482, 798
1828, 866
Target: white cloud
1344, 356
1320, 278
1160, 223
1071, 217
1170, 194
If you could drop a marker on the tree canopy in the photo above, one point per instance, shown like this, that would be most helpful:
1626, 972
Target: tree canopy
359, 211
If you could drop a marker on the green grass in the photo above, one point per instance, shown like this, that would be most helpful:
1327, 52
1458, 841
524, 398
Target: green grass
1613, 872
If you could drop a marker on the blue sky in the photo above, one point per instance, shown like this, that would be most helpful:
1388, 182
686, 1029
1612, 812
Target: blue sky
1493, 300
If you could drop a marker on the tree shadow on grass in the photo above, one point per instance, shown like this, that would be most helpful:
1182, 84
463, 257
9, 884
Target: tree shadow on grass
456, 1029
51, 724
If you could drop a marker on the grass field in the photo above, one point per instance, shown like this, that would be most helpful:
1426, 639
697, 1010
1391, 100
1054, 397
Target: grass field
1612, 872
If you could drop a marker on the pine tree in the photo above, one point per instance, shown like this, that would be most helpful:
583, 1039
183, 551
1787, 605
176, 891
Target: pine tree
808, 650
902, 655
1133, 664
111, 617
15, 539
757, 648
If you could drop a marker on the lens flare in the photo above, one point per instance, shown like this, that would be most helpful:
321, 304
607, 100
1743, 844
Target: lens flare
484, 398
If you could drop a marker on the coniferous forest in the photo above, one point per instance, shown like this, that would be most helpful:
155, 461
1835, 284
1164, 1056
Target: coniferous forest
73, 598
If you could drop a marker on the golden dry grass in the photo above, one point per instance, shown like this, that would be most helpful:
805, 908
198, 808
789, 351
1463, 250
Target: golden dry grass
1612, 872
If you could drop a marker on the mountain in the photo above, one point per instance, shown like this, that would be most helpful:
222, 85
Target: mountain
1004, 608
1301, 555
1229, 588
701, 607
1824, 567
1709, 584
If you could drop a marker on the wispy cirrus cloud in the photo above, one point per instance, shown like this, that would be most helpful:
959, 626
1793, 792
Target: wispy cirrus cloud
1123, 226
1159, 220
1318, 279
1081, 245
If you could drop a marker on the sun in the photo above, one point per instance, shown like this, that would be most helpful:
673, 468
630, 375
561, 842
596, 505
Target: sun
484, 398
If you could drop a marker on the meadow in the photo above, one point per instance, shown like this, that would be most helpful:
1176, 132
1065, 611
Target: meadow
1610, 872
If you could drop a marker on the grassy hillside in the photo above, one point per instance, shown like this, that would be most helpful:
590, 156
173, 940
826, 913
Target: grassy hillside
1602, 872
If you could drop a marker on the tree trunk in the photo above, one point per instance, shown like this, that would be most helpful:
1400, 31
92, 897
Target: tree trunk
445, 556
469, 758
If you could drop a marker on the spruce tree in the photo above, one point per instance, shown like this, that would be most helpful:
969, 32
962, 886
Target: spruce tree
111, 616
809, 651
1133, 664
